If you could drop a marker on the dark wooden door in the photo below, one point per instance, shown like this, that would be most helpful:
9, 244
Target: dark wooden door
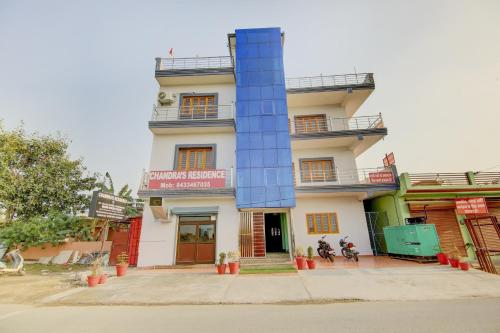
196, 242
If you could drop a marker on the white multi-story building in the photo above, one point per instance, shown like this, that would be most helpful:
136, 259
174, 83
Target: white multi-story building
244, 159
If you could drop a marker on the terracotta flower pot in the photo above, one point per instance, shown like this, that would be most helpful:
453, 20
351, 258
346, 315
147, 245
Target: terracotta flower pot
92, 280
464, 266
234, 267
442, 258
301, 263
121, 269
311, 264
221, 269
454, 262
103, 278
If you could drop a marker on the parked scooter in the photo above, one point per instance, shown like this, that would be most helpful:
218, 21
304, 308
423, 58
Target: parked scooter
325, 251
348, 249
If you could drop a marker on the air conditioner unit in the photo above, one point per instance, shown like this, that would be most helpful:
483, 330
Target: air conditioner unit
160, 213
165, 98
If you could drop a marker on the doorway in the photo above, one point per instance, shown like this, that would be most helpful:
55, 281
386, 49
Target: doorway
196, 240
276, 232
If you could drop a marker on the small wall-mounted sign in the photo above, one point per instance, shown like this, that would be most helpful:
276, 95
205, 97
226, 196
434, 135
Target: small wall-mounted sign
107, 206
471, 206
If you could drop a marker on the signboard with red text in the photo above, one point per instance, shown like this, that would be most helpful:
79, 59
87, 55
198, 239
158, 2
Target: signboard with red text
381, 177
471, 206
186, 179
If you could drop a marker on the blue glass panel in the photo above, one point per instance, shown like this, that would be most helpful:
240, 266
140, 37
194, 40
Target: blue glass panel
258, 196
256, 158
268, 107
257, 177
243, 159
267, 92
283, 140
256, 141
243, 141
270, 158
243, 177
254, 108
242, 124
269, 140
254, 93
256, 124
269, 124
282, 123
271, 177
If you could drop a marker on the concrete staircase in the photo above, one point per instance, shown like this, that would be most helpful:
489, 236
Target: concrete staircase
271, 259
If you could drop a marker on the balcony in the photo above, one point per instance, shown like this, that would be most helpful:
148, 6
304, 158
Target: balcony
187, 183
357, 133
197, 70
349, 90
329, 82
368, 180
207, 119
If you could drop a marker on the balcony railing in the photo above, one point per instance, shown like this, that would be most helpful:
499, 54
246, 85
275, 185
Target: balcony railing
442, 179
192, 113
319, 124
327, 81
344, 177
178, 180
173, 64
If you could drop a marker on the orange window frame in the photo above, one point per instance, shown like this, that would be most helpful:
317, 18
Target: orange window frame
317, 170
317, 222
198, 154
311, 124
198, 105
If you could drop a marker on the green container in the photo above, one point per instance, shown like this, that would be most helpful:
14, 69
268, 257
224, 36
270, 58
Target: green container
412, 240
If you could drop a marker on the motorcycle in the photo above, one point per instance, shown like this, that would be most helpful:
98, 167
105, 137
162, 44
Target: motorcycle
348, 249
325, 251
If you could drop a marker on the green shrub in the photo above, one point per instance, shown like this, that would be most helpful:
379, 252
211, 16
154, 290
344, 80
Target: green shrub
53, 229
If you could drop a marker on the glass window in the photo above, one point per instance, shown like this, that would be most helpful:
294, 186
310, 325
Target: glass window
317, 170
206, 233
198, 107
195, 158
311, 124
322, 223
187, 233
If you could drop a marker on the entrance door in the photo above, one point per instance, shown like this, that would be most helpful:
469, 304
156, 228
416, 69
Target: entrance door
196, 241
274, 234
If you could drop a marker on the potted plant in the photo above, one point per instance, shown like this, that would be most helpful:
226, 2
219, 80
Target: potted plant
311, 264
464, 263
454, 257
233, 258
122, 264
299, 258
221, 266
441, 256
95, 269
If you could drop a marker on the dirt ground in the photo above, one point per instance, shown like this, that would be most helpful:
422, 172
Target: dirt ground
40, 281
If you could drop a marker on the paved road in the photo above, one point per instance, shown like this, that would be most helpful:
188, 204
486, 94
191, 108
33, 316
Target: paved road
471, 315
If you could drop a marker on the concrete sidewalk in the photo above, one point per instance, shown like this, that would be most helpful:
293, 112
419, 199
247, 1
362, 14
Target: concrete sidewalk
165, 287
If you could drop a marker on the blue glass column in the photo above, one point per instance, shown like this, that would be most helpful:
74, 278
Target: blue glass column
263, 154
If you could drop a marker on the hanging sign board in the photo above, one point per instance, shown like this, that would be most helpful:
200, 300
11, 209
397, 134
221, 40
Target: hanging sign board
471, 206
107, 206
186, 179
381, 177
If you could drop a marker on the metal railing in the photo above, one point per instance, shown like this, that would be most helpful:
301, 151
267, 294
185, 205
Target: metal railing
442, 179
329, 81
320, 124
161, 113
338, 176
487, 178
166, 64
189, 180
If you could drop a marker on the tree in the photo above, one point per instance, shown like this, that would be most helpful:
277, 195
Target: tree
37, 176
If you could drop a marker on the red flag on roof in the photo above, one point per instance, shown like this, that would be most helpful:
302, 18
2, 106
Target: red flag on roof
171, 52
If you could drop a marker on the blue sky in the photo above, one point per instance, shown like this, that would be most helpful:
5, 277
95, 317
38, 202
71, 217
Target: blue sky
85, 69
